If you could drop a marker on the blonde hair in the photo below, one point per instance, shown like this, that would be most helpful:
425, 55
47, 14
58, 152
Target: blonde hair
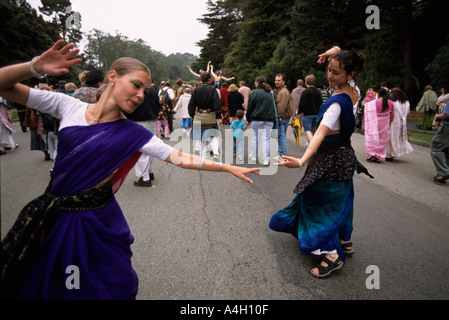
82, 75
126, 65
70, 87
233, 88
310, 79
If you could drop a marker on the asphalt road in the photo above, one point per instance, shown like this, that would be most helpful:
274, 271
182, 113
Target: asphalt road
205, 236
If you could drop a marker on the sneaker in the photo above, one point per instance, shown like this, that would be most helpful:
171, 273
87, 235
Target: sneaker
151, 176
240, 158
142, 183
265, 163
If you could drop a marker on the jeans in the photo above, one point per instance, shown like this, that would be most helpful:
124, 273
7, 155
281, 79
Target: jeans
262, 132
238, 146
282, 136
309, 123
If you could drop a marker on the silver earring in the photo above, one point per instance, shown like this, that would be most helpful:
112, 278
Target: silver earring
112, 84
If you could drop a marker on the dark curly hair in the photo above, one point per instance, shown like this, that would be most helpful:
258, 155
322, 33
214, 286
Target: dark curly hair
350, 61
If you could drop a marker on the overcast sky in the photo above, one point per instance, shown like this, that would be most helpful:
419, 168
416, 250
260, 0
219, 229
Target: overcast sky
168, 26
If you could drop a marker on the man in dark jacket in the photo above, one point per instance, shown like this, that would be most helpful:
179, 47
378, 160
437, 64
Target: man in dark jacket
146, 115
206, 103
310, 103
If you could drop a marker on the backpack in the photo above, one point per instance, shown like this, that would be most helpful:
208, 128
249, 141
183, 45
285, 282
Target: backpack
50, 123
164, 94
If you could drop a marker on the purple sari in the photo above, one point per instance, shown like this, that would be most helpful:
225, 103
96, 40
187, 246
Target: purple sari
90, 248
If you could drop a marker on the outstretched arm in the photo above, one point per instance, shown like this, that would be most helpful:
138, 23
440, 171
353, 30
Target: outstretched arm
292, 162
189, 161
227, 79
54, 62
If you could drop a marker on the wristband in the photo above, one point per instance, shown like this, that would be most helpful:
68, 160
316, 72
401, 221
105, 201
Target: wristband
221, 166
337, 48
202, 162
312, 149
300, 163
33, 72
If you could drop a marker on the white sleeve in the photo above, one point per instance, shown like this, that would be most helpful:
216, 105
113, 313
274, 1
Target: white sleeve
157, 148
332, 116
70, 110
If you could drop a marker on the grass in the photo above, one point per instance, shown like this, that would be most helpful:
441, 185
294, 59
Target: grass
421, 136
14, 116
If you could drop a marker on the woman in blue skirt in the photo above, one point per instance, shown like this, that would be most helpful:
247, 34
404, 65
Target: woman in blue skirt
320, 215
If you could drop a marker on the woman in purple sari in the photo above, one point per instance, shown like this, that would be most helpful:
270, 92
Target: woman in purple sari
77, 227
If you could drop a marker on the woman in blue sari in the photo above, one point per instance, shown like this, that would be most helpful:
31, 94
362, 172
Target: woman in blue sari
73, 242
320, 215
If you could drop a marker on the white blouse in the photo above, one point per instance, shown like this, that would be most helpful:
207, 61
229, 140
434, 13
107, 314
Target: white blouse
72, 112
332, 115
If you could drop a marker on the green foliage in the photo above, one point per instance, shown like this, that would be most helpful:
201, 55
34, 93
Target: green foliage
222, 20
103, 49
23, 34
287, 36
438, 69
61, 13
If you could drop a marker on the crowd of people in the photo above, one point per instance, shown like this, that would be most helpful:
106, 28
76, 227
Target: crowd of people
127, 107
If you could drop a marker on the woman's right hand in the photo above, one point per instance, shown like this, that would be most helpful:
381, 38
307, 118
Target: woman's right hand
56, 60
287, 161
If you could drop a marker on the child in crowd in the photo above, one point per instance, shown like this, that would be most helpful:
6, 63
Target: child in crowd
237, 127
182, 110
162, 118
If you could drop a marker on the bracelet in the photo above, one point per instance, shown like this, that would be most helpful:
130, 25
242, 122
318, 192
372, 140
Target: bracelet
312, 149
221, 166
300, 163
202, 162
337, 48
33, 72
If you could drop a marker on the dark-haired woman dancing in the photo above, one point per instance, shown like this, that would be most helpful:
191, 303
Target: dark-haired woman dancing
320, 215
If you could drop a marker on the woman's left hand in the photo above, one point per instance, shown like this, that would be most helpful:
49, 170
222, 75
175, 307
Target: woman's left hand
242, 172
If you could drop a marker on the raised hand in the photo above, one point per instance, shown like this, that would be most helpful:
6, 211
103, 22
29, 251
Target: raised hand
56, 60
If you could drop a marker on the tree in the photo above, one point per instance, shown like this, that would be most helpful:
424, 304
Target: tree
222, 19
17, 45
103, 49
438, 69
64, 19
287, 36
263, 25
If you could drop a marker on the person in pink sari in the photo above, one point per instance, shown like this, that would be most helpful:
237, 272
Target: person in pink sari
379, 114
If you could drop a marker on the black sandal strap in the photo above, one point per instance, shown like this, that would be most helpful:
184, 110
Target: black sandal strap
330, 265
